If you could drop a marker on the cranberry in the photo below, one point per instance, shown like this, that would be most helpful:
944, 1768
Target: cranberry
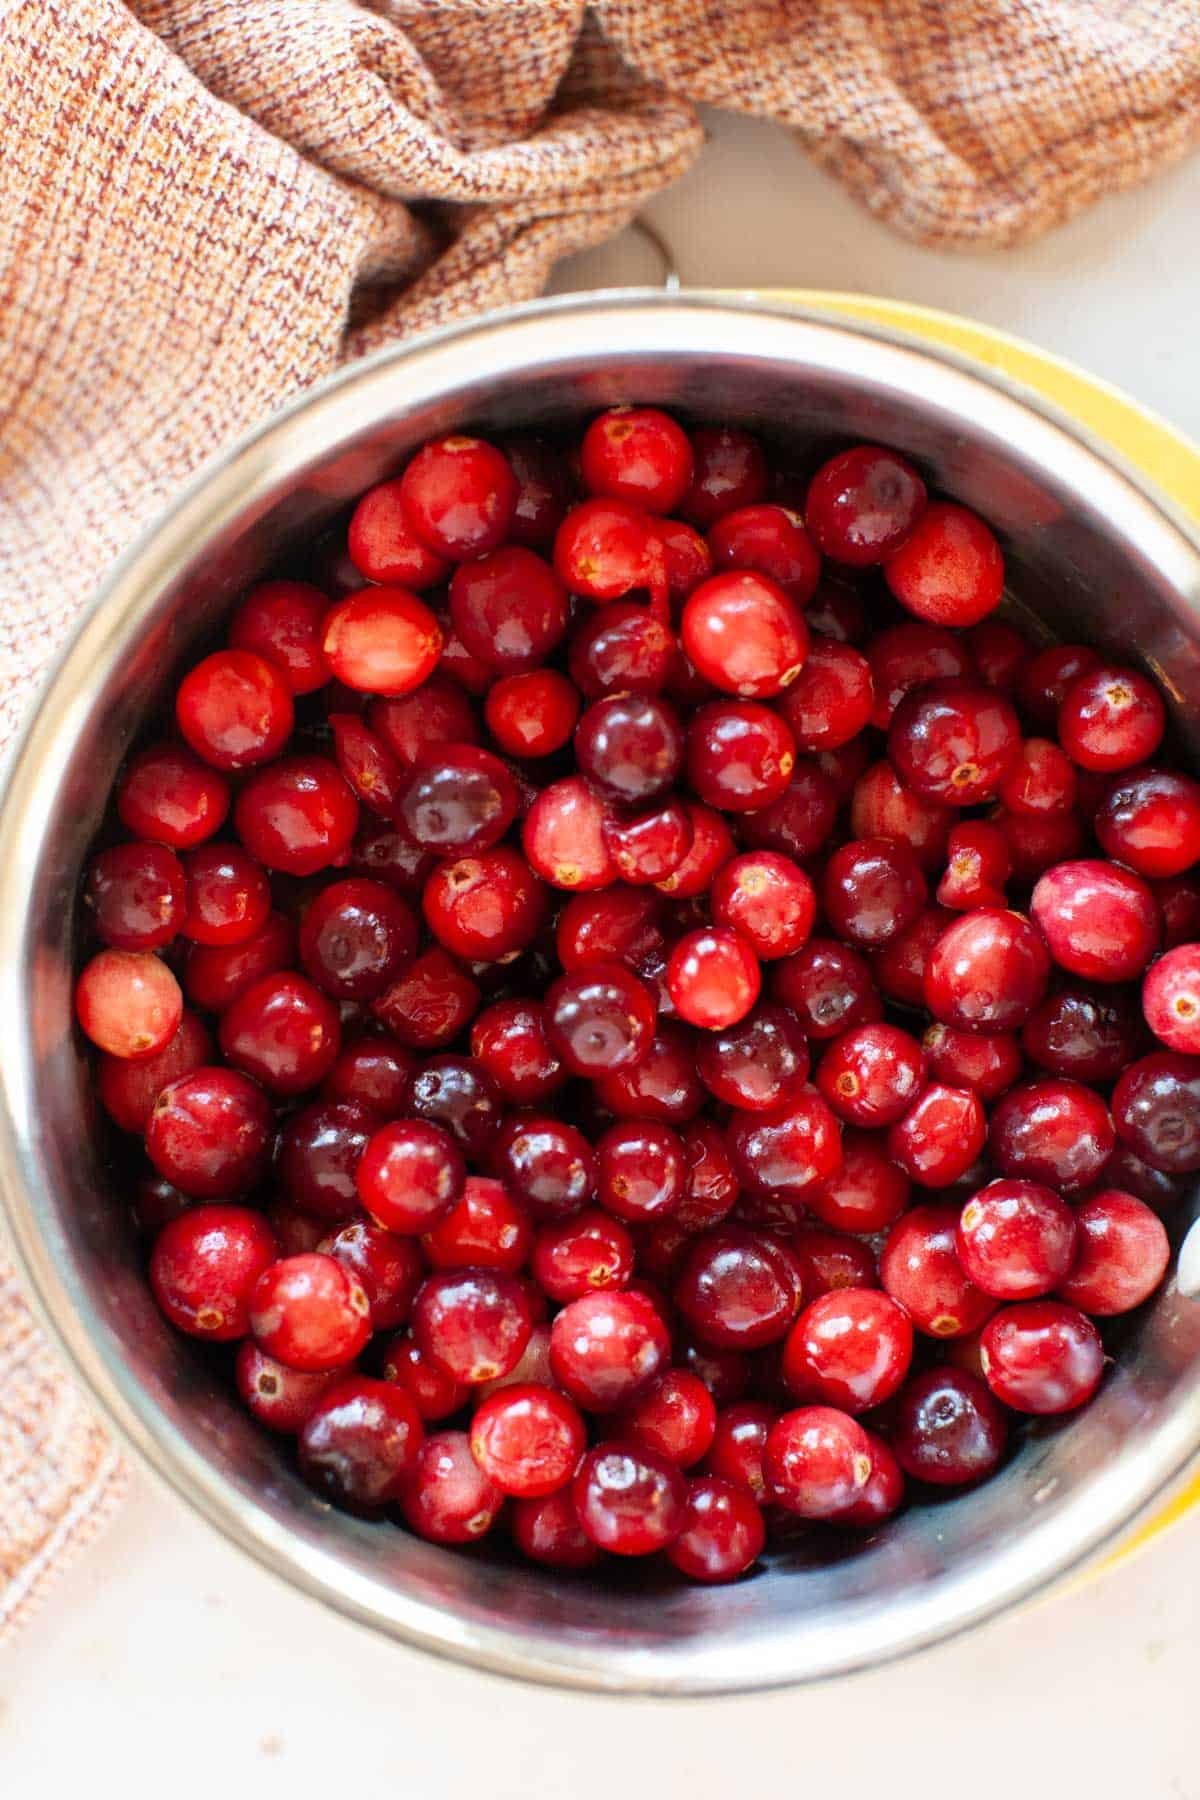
1035, 844
744, 635
630, 1500
689, 559
873, 888
509, 1039
1047, 676
949, 570
1042, 1357
284, 1032
310, 1312
740, 755
725, 1373
354, 937
947, 1429
722, 1532
637, 454
563, 837
710, 1185
939, 1136
359, 1446
382, 640
457, 1093
648, 846
485, 1228
768, 541
1156, 1107
1090, 1034
1179, 903
1171, 998
620, 648
599, 1019
604, 548
768, 899
390, 1269
447, 1497
298, 815
759, 1064
730, 471
977, 869
1039, 780
850, 1348
1000, 653
1126, 1170
987, 1062
411, 724
787, 1152
630, 746
383, 545
830, 1260
430, 1003
675, 1416
473, 1323
1111, 718
509, 608
128, 1089
383, 854
1052, 1131
868, 1193
618, 925
457, 798
527, 1439
366, 763
863, 504
883, 1494
1150, 819
548, 1165
129, 1003
640, 1170
459, 495
295, 1232
1016, 1239
543, 491
1121, 1254
606, 1347
711, 848
953, 742
409, 1175
228, 895
281, 622
836, 611
736, 1452
816, 1461
1100, 921
987, 972
204, 1267
920, 1269
548, 1531
872, 1074
737, 1290
210, 1133
532, 713
909, 655
828, 986
319, 1151
435, 1394
234, 709
713, 977
486, 907
280, 1398
663, 1086
170, 797
136, 895
881, 806
832, 698
574, 1257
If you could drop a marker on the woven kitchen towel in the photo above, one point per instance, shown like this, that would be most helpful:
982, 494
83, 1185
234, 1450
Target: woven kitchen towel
206, 204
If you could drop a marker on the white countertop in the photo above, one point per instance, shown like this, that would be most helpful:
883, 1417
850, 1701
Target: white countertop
165, 1659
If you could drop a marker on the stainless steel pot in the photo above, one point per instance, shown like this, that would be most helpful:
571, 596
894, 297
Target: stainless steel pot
1090, 550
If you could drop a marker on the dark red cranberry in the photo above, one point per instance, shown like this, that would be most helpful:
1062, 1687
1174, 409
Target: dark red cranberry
949, 570
383, 546
1000, 653
1090, 1034
828, 986
447, 1497
640, 1170
359, 1446
1045, 679
310, 1312
280, 1398
509, 1039
128, 1089
788, 1152
618, 925
1111, 718
689, 559
431, 1001
737, 1290
711, 848
630, 1500
129, 1003
136, 895
374, 1072
1041, 779
457, 798
1156, 1107
204, 1267
675, 1416
548, 1531
409, 1175
574, 1257
1036, 843
816, 1461
1150, 819
832, 698
457, 1093
297, 816
1052, 1131
873, 888
296, 1233
710, 1184
1042, 1357
1126, 1171
459, 495
871, 1074
987, 972
366, 763
1100, 921
1179, 903
383, 854
836, 611
599, 1019
954, 742
831, 1260
768, 899
759, 1064
740, 755
1121, 1254
881, 806
354, 937
527, 1439
621, 648
978, 867
409, 725
281, 621
606, 1347
722, 1533
744, 635
543, 491
1016, 1239
630, 746
920, 1269
435, 1394
730, 471
663, 1086
639, 454
210, 1133
862, 505
234, 709
868, 1193
947, 1429
170, 797
987, 1062
319, 1151
509, 608
284, 1032
563, 837
908, 655
533, 713
799, 822
767, 540
228, 895
713, 977
548, 1165
389, 1267
473, 1323
736, 1451
850, 1348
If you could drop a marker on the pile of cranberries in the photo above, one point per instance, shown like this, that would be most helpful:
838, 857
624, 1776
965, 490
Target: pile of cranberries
652, 1014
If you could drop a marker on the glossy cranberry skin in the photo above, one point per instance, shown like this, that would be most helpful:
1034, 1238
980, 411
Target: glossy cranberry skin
563, 837
736, 1451
487, 907
1000, 653
947, 1429
210, 1133
862, 505
1089, 1034
873, 888
136, 896
621, 648
882, 807
650, 844
319, 1152
1045, 679
1171, 999
430, 1002
1111, 718
618, 925
828, 986
509, 1039
544, 489
599, 1019
457, 798
768, 899
1052, 1131
797, 824
360, 1443
527, 1439
1040, 779
548, 1531
473, 1323
758, 1064
986, 1062
737, 1290
1035, 844
954, 742
548, 1165
769, 541
630, 746
485, 1228
228, 895
730, 471
604, 548
1156, 1107
297, 815
409, 725
355, 936
832, 698
1100, 921
390, 1269
204, 1267
711, 847
281, 622
872, 1074
850, 1348
816, 1461
606, 1347
836, 611
713, 977
987, 972
409, 1175
1042, 1357
128, 1003
949, 569
435, 1394
868, 1193
509, 608
280, 1398
675, 1416
641, 1170
744, 635
910, 655
1121, 1254
284, 1032
574, 1257
920, 1269
630, 1500
664, 1086
366, 763
1015, 1239
382, 640
1150, 819
740, 755
383, 546
639, 454
170, 797
1179, 902
381, 853
310, 1312
533, 713
786, 1152
977, 868
459, 494
722, 1533
447, 1497
457, 1093
128, 1089
234, 709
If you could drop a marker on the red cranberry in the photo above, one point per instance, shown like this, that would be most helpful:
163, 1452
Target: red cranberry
1156, 1107
744, 635
534, 1361
411, 724
737, 1290
1045, 679
740, 755
599, 1019
170, 797
1126, 1170
947, 1429
987, 972
1099, 921
987, 1062
1150, 819
574, 1257
768, 899
563, 837
621, 648
949, 570
725, 1373
940, 1136
863, 504
830, 1260
881, 806
722, 1532
1016, 1239
548, 1531
736, 1452
711, 848
204, 1267
532, 713
473, 1323
1035, 844
883, 1494
1111, 718
234, 709
509, 1039
689, 559
873, 888
383, 546
816, 1461
828, 986
136, 895
457, 798
1090, 1034
759, 1064
447, 1497
872, 1074
409, 1175
663, 1086
1039, 780
543, 491
296, 1233
430, 1003
1171, 998
977, 869
485, 1228
1052, 1131
799, 822
383, 854
210, 1133
836, 611
604, 548
730, 471
868, 1193
435, 1394
1042, 1357
310, 1312
1121, 1254
390, 1269
366, 763
629, 1499
713, 977
606, 1347
710, 1185
788, 1152
920, 1269
675, 1416
283, 1032
281, 621
771, 541
319, 1151
486, 907
640, 1170
354, 937
954, 742
382, 640
459, 495
509, 608
648, 846
129, 1003
128, 1090
298, 815
1179, 903
228, 895
907, 656
1000, 653
630, 746
527, 1439
360, 1444
548, 1165
280, 1398
617, 925
850, 1349
639, 454
832, 698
